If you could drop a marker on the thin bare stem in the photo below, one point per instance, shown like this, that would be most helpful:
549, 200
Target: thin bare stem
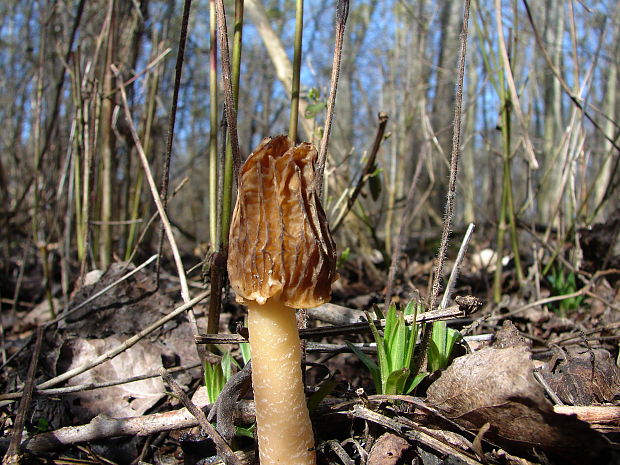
231, 113
342, 13
213, 127
187, 5
457, 263
454, 160
12, 454
222, 447
299, 29
160, 207
370, 163
93, 386
229, 160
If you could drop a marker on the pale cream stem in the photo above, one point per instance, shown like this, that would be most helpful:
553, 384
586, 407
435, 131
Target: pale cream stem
283, 423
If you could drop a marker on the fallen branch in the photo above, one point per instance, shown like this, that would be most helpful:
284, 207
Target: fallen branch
102, 427
454, 311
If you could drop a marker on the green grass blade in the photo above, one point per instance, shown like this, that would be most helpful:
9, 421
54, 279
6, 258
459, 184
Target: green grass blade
326, 389
397, 346
414, 382
370, 364
395, 382
381, 353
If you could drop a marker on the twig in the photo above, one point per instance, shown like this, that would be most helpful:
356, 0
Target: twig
222, 447
454, 311
187, 4
454, 160
362, 412
13, 455
574, 98
93, 386
160, 206
148, 67
64, 315
229, 105
153, 217
457, 263
402, 232
342, 13
102, 427
120, 348
370, 162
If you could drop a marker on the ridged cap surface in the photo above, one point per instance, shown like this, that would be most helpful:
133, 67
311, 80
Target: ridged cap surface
280, 244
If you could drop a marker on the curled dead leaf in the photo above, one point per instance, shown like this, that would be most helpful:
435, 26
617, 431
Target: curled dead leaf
497, 386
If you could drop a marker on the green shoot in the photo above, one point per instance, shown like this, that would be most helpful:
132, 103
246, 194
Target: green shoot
326, 388
216, 375
246, 353
393, 374
344, 257
440, 349
563, 283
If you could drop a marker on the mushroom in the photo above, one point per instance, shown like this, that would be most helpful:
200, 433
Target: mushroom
281, 257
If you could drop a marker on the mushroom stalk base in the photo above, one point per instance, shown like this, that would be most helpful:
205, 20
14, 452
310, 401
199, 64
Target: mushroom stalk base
283, 423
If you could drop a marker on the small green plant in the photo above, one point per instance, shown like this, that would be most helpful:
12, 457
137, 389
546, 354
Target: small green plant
42, 426
344, 257
563, 282
216, 375
395, 348
441, 347
315, 104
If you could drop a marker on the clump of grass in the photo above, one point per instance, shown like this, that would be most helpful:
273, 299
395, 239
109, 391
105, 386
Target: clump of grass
396, 372
563, 282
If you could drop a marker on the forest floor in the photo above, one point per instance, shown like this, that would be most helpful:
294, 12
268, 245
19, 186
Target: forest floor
534, 380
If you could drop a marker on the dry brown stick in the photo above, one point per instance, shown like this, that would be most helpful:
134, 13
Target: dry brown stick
598, 416
360, 411
160, 208
229, 106
187, 5
102, 427
13, 455
120, 348
342, 12
93, 386
434, 315
383, 119
207, 429
454, 163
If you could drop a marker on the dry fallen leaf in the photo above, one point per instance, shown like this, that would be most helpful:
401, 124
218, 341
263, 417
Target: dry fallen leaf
389, 449
496, 386
125, 400
586, 377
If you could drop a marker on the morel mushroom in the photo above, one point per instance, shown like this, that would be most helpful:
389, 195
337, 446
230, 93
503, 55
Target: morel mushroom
281, 257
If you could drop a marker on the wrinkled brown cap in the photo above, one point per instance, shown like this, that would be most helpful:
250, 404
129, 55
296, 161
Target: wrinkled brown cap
280, 244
